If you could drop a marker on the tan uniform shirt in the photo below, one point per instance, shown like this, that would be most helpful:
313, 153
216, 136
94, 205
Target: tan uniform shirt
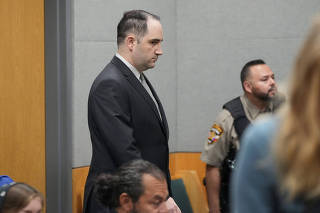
222, 133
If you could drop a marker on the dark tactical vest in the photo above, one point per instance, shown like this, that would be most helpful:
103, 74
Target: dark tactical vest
240, 124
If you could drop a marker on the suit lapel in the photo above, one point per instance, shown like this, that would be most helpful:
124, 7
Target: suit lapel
142, 91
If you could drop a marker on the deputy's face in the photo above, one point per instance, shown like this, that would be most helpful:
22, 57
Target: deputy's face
147, 50
154, 197
35, 206
262, 82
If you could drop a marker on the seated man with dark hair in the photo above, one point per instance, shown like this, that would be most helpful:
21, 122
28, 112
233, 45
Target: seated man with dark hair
136, 187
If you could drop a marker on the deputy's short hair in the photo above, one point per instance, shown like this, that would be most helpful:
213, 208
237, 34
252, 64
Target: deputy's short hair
246, 69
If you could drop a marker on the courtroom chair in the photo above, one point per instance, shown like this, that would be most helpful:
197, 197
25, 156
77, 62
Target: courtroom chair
180, 196
194, 189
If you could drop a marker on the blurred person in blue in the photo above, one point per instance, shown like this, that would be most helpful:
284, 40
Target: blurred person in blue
278, 164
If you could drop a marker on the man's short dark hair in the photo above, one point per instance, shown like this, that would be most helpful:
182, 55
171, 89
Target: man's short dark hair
246, 69
134, 21
127, 179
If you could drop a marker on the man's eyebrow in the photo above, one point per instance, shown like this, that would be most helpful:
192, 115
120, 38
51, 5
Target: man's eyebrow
264, 76
156, 39
158, 197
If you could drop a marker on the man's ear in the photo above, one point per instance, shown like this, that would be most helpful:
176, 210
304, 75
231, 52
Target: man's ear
125, 202
130, 41
247, 86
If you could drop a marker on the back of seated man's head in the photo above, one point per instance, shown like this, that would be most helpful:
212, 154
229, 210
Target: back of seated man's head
136, 187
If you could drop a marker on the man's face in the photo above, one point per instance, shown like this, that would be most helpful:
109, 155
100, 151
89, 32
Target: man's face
148, 48
261, 79
154, 197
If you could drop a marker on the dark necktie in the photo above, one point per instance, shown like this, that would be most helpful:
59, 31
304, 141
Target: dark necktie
145, 85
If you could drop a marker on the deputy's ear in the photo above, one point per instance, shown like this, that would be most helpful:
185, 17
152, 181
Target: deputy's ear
247, 86
125, 202
130, 41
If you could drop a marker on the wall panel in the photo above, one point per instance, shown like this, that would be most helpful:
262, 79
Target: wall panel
22, 105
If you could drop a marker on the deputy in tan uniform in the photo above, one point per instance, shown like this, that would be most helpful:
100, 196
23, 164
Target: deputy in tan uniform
260, 97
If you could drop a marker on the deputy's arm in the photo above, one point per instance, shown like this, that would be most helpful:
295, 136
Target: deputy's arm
215, 151
213, 188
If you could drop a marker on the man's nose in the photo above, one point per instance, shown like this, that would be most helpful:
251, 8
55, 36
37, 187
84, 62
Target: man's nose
159, 50
272, 82
163, 208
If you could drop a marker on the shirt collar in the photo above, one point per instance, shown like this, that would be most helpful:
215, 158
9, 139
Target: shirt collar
252, 110
132, 68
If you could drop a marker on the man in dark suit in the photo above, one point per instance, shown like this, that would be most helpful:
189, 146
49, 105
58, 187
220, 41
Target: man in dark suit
125, 116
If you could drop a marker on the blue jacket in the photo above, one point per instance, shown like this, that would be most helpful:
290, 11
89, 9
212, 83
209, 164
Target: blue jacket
255, 187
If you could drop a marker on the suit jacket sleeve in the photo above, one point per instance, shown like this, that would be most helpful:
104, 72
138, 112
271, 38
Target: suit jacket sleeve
109, 106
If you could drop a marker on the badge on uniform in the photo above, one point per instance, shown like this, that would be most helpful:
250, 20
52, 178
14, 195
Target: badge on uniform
215, 133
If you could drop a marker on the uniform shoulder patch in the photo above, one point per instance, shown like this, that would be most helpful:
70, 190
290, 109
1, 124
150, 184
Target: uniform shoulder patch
215, 133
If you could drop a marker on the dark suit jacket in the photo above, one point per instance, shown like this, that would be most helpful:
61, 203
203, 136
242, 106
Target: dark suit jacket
124, 124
